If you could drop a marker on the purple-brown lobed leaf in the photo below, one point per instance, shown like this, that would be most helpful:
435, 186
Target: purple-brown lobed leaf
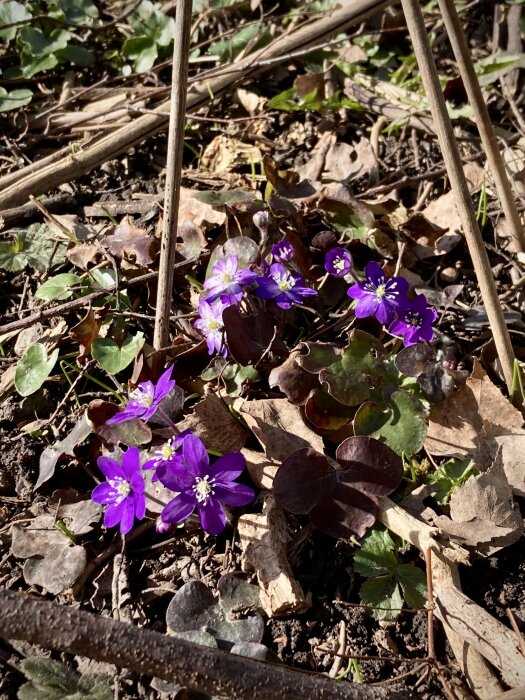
341, 498
250, 336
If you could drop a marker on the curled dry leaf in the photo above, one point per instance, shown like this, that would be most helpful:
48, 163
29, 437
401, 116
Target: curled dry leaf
52, 453
278, 426
264, 540
483, 514
262, 470
128, 242
215, 425
470, 419
86, 331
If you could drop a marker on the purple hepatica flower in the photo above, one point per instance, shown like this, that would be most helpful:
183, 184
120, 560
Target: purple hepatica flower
284, 287
170, 451
123, 492
145, 399
378, 295
283, 251
204, 486
227, 281
210, 324
415, 322
338, 262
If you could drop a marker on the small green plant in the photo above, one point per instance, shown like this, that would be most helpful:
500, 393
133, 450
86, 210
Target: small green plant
449, 476
51, 680
289, 101
389, 582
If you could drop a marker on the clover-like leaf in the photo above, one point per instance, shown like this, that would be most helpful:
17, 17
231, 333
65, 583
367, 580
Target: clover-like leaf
325, 413
401, 423
389, 581
341, 498
349, 374
437, 381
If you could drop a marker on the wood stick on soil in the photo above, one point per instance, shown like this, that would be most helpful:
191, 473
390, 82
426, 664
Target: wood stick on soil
168, 241
38, 178
482, 118
452, 158
209, 670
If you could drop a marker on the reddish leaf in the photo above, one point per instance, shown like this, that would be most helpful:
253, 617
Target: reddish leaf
342, 499
131, 243
250, 336
293, 380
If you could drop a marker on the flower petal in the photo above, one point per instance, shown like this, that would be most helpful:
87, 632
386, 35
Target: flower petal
131, 462
228, 467
110, 467
128, 516
134, 409
212, 516
234, 494
113, 515
366, 306
195, 456
175, 476
103, 493
178, 509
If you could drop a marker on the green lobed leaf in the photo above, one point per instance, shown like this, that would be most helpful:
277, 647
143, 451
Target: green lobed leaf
74, 11
13, 257
30, 66
77, 55
413, 582
10, 12
384, 594
401, 423
39, 45
142, 50
358, 369
113, 358
228, 49
376, 557
33, 369
58, 287
14, 99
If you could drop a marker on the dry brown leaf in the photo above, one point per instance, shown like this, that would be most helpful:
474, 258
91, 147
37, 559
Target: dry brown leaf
85, 255
195, 218
86, 331
225, 154
262, 470
442, 211
215, 425
483, 514
278, 426
465, 423
264, 539
128, 242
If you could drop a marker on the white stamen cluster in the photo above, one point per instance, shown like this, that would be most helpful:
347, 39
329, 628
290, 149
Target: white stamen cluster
143, 395
121, 487
203, 488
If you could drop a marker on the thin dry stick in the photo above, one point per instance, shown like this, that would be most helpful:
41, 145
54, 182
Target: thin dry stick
430, 613
482, 118
516, 629
168, 242
452, 158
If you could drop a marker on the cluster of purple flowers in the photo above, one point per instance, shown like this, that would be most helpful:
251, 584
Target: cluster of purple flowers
386, 298
182, 465
228, 282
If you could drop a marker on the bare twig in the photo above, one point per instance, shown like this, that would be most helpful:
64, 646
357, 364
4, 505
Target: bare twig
482, 117
168, 243
210, 670
430, 613
452, 158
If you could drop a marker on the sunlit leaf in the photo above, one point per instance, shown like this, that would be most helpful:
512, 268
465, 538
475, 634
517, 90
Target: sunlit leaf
114, 358
34, 368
